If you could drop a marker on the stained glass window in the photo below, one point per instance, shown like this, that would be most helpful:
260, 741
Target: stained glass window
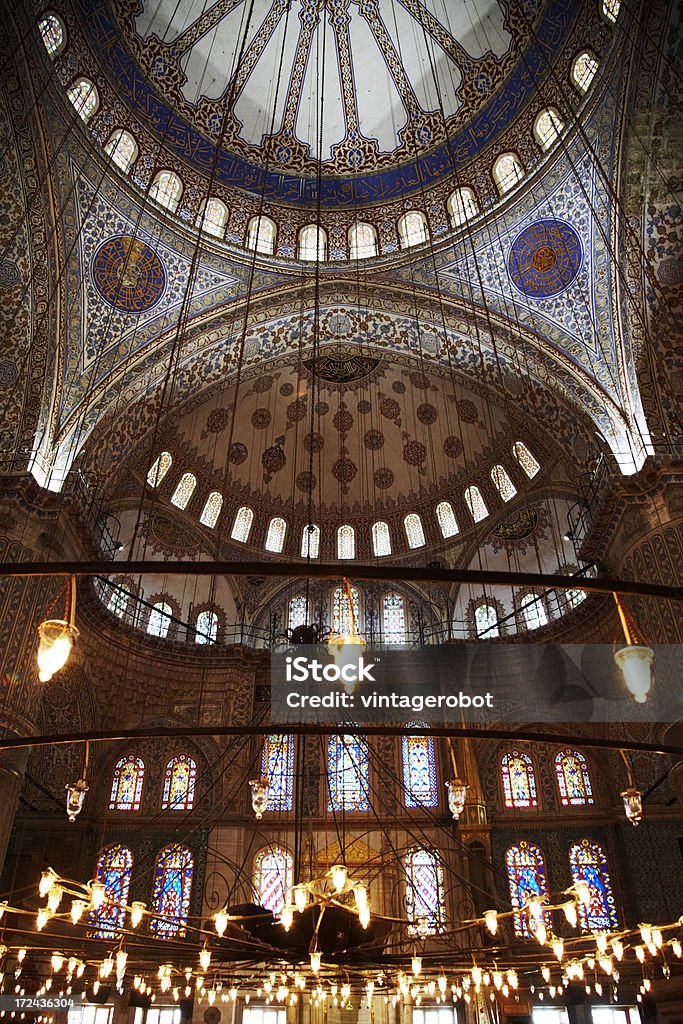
118, 599
347, 773
126, 786
414, 532
610, 10
446, 518
171, 894
393, 619
123, 150
114, 866
346, 542
52, 33
167, 189
273, 877
425, 897
261, 234
362, 241
159, 619
298, 611
519, 781
381, 539
184, 490
310, 541
584, 70
548, 128
179, 780
412, 229
242, 525
214, 217
476, 504
277, 765
525, 459
574, 597
533, 611
503, 483
526, 878
419, 769
212, 509
507, 171
462, 206
312, 243
588, 863
84, 98
573, 779
206, 627
159, 469
341, 610
275, 538
486, 621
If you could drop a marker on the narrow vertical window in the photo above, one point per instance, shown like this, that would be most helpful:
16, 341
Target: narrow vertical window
179, 782
171, 894
588, 863
211, 510
277, 765
346, 542
584, 70
184, 490
362, 241
261, 235
610, 10
273, 878
414, 531
507, 171
310, 541
159, 619
118, 599
159, 469
503, 483
206, 628
167, 189
241, 528
114, 866
526, 879
462, 206
52, 33
486, 621
419, 769
342, 621
381, 539
214, 217
298, 611
425, 896
573, 779
122, 149
525, 459
412, 229
312, 244
393, 619
348, 774
533, 611
126, 786
275, 538
476, 504
84, 98
519, 781
446, 519
548, 127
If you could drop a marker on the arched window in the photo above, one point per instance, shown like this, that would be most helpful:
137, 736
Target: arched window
362, 241
123, 150
114, 866
159, 469
526, 878
347, 774
519, 781
412, 229
126, 785
312, 243
503, 483
425, 897
297, 614
214, 217
573, 598
184, 490
419, 769
52, 33
244, 517
588, 863
275, 538
462, 206
486, 621
273, 877
159, 619
507, 171
179, 780
584, 70
84, 98
206, 627
346, 542
341, 610
171, 894
381, 539
118, 599
610, 10
573, 780
211, 510
261, 235
446, 519
525, 459
393, 619
476, 504
310, 541
548, 127
277, 765
167, 189
533, 611
414, 532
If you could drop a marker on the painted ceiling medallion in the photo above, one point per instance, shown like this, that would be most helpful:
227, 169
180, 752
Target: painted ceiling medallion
519, 526
344, 368
545, 258
128, 274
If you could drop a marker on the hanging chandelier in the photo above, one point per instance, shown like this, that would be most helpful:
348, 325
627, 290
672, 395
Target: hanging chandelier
56, 638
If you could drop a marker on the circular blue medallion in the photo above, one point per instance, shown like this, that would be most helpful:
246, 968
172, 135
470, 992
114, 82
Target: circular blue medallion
128, 274
545, 258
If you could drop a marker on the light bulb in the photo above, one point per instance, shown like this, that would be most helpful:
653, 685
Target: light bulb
360, 895
640, 954
78, 908
137, 909
220, 921
97, 893
635, 664
205, 958
416, 964
601, 942
676, 948
646, 933
56, 638
75, 798
300, 893
260, 791
364, 917
287, 916
442, 983
457, 794
57, 961
106, 967
541, 932
633, 805
21, 955
369, 989
497, 980
657, 939
95, 987
491, 920
476, 973
571, 913
339, 875
558, 948
72, 964
42, 917
512, 979
583, 891
47, 880
54, 898
315, 962
545, 971
618, 948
